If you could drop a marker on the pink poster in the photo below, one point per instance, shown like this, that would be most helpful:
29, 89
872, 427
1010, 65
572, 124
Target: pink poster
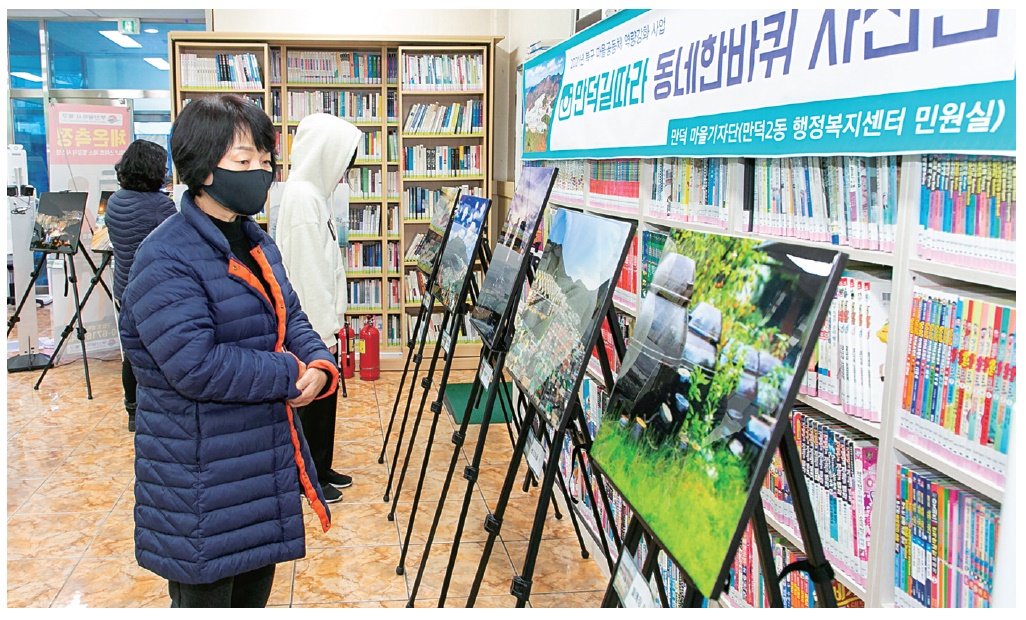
88, 134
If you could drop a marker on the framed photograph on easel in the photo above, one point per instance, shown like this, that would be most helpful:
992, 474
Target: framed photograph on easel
59, 222
703, 394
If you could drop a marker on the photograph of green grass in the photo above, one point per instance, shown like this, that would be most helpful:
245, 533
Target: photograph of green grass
689, 426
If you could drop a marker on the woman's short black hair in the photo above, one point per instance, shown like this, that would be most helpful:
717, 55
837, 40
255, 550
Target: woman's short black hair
206, 129
143, 167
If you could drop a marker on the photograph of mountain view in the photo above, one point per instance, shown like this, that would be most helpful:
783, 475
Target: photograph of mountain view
541, 90
558, 323
458, 253
525, 210
689, 428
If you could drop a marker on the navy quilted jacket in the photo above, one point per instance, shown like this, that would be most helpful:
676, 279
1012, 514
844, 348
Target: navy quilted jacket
220, 458
130, 217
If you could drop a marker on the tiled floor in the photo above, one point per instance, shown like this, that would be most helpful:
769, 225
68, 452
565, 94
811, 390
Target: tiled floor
70, 498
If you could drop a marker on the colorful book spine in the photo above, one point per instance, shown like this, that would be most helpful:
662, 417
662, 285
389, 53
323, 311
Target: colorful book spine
967, 212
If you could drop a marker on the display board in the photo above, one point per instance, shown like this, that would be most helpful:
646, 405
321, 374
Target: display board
556, 327
507, 264
703, 394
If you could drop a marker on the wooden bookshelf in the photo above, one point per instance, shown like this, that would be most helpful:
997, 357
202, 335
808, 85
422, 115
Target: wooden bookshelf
273, 52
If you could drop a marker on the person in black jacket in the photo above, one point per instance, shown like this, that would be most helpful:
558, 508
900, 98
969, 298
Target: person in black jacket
132, 214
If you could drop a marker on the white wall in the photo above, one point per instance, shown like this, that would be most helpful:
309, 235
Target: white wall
362, 20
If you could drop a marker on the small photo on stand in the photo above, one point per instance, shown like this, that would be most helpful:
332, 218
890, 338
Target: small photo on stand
507, 264
59, 222
702, 396
427, 249
458, 254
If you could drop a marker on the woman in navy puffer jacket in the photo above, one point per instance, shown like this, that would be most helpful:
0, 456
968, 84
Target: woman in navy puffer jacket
223, 355
132, 214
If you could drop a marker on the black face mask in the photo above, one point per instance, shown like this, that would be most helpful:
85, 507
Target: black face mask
241, 192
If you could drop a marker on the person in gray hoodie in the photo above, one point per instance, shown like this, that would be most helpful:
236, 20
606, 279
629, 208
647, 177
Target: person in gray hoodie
323, 149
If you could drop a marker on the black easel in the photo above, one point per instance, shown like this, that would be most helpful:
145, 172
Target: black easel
28, 361
424, 312
521, 586
815, 562
80, 331
448, 336
489, 377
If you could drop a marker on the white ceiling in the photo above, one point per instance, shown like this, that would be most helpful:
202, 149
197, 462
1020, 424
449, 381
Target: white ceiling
108, 13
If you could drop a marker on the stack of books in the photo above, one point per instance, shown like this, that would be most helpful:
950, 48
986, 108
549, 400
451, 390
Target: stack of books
364, 295
614, 184
626, 291
688, 189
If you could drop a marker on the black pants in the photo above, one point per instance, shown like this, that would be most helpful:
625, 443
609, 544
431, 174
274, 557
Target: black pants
128, 382
250, 589
318, 420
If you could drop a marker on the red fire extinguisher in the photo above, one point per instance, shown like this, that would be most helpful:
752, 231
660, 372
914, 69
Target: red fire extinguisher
370, 353
348, 354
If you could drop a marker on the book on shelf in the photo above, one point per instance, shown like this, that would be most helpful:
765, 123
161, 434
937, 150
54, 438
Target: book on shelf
443, 72
840, 200
324, 67
393, 146
691, 189
849, 360
652, 245
275, 69
958, 397
626, 324
368, 149
441, 119
420, 161
748, 588
276, 114
967, 212
364, 294
419, 203
353, 106
222, 71
626, 291
394, 334
392, 107
945, 541
364, 183
363, 257
414, 283
395, 294
392, 68
364, 220
614, 184
394, 257
394, 221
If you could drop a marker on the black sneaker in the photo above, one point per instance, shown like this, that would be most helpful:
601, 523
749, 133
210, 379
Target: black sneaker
131, 423
337, 480
331, 494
